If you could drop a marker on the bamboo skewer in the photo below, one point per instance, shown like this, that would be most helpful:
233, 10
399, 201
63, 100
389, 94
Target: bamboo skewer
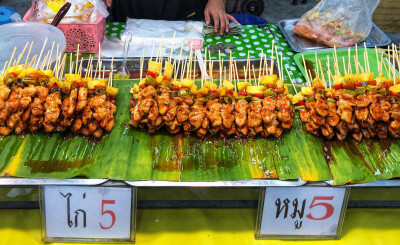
22, 53
27, 57
272, 58
291, 81
329, 70
261, 61
4, 68
305, 71
77, 59
41, 52
172, 48
237, 77
12, 56
152, 50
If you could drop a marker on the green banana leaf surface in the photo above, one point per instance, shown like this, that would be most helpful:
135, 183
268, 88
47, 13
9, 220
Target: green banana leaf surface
131, 154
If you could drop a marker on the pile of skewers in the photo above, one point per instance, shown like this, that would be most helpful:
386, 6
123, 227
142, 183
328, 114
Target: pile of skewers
32, 96
257, 105
358, 104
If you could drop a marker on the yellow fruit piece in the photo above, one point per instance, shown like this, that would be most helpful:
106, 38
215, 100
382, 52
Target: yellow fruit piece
365, 77
203, 91
49, 73
380, 79
112, 91
317, 82
279, 84
306, 90
73, 78
86, 79
1, 79
154, 67
297, 97
255, 89
222, 91
100, 82
286, 89
348, 77
168, 69
395, 89
187, 83
33, 71
53, 80
329, 91
228, 85
193, 89
15, 69
160, 78
142, 82
243, 85
135, 89
269, 79
337, 80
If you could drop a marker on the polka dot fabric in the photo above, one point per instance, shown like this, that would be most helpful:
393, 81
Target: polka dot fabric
252, 41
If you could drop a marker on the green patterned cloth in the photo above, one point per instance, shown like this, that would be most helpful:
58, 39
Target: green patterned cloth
252, 40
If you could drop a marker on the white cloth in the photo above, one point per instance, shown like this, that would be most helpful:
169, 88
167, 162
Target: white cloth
145, 33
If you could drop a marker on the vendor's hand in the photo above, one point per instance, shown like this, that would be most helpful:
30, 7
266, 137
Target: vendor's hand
108, 3
216, 10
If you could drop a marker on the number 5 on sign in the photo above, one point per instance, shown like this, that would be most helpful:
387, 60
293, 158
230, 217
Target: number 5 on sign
94, 214
301, 212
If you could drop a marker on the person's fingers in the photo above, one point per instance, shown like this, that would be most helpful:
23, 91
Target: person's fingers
216, 22
231, 18
109, 3
207, 16
226, 24
222, 24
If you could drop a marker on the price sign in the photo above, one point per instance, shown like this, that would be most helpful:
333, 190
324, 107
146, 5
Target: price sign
301, 212
94, 214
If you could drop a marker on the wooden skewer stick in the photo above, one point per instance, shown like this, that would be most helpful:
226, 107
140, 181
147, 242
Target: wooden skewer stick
356, 59
230, 66
220, 70
80, 67
248, 64
77, 60
254, 74
41, 52
367, 59
322, 73
111, 75
349, 70
33, 61
224, 72
172, 48
305, 71
261, 65
272, 58
12, 55
4, 68
22, 53
329, 70
104, 69
344, 66
51, 54
194, 67
316, 62
152, 50
159, 49
291, 81
27, 57
237, 76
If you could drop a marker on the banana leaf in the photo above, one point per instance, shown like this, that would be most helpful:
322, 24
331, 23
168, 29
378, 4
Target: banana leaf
132, 154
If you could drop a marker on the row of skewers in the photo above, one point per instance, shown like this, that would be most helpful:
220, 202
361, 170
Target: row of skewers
358, 104
34, 96
258, 105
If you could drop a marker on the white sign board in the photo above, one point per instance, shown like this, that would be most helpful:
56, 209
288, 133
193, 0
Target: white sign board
73, 213
301, 212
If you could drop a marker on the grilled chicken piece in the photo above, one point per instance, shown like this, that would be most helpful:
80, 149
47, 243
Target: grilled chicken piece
362, 101
163, 100
254, 114
52, 105
333, 117
197, 115
321, 105
98, 107
82, 99
268, 110
214, 113
305, 115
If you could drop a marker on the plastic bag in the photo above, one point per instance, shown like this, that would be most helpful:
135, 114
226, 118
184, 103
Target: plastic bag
81, 11
339, 23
